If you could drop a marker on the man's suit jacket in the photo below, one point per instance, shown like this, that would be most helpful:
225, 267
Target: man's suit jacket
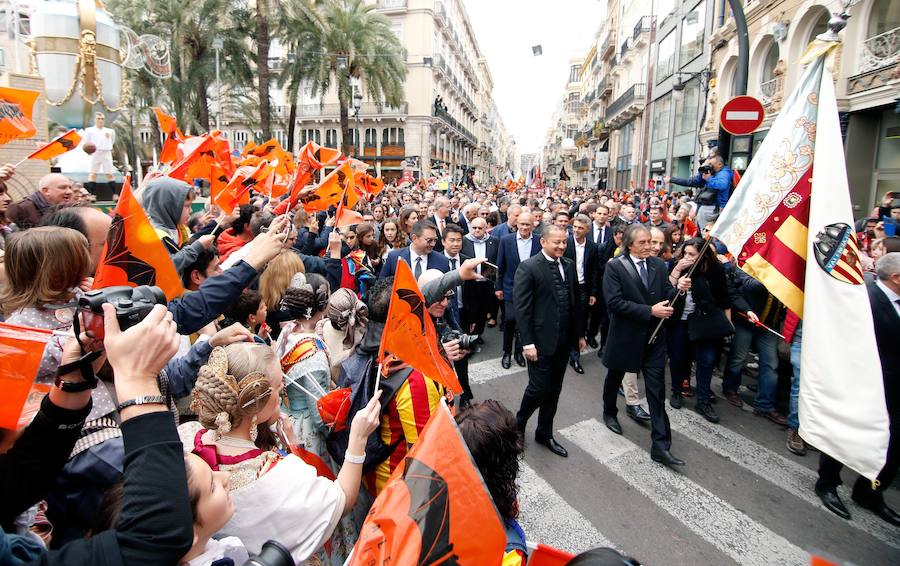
608, 234
439, 245
537, 306
628, 303
887, 329
435, 261
508, 262
590, 264
491, 249
502, 230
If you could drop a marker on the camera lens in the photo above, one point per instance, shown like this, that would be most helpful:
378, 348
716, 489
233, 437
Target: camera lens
273, 553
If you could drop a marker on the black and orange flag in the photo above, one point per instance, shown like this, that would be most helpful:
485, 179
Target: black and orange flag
345, 215
311, 158
435, 508
169, 127
16, 107
409, 332
368, 184
57, 146
336, 186
237, 191
190, 152
134, 255
21, 350
167, 123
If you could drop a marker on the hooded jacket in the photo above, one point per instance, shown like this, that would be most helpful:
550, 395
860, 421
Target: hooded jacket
163, 200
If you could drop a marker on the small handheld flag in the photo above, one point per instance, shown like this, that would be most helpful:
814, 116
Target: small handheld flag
57, 146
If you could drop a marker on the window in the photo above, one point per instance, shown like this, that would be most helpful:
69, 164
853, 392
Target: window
281, 136
310, 135
686, 109
661, 118
574, 71
240, 137
392, 136
692, 30
397, 29
331, 137
146, 136
664, 8
771, 60
665, 57
626, 133
371, 137
885, 17
820, 26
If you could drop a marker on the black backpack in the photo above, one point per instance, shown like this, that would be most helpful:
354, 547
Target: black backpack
358, 372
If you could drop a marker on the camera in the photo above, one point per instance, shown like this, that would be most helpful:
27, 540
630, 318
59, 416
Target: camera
132, 305
704, 169
273, 553
466, 341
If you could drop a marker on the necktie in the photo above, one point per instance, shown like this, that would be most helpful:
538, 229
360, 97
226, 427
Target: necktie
452, 263
645, 277
418, 270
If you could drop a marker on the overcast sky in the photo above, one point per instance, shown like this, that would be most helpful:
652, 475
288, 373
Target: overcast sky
527, 88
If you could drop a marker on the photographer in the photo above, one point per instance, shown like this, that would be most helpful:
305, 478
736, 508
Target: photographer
716, 178
155, 526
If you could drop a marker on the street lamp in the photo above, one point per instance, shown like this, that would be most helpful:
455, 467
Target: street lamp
218, 44
678, 85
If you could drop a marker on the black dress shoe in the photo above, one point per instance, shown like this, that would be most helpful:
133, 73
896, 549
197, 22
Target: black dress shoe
705, 410
553, 446
675, 401
833, 503
612, 423
600, 352
520, 359
638, 413
665, 458
576, 365
592, 342
877, 505
506, 361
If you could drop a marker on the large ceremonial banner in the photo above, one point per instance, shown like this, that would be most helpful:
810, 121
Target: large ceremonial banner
435, 508
790, 225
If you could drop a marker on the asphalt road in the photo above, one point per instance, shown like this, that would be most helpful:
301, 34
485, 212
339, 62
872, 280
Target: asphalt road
742, 498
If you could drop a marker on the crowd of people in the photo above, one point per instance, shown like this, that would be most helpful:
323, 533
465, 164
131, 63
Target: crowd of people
197, 435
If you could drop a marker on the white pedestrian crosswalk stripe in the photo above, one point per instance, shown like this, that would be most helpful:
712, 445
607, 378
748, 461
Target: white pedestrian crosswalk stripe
547, 518
775, 468
487, 370
711, 518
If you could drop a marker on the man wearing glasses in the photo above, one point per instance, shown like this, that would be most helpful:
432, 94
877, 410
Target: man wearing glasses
420, 254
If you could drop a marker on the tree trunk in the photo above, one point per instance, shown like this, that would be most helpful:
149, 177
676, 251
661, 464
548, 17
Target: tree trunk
345, 124
292, 123
202, 105
262, 66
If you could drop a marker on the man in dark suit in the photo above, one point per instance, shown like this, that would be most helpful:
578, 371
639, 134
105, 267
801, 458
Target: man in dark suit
479, 302
583, 253
884, 299
601, 231
545, 294
442, 218
419, 255
511, 224
637, 292
514, 249
605, 252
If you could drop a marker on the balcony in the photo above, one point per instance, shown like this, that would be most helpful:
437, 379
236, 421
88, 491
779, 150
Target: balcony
440, 13
768, 91
455, 124
604, 88
623, 49
629, 104
392, 5
607, 47
582, 164
368, 109
880, 51
642, 29
600, 131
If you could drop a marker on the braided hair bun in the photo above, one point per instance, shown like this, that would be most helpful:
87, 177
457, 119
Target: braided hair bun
306, 296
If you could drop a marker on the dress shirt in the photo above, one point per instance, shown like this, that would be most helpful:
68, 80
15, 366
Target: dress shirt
893, 297
455, 262
579, 260
524, 245
637, 266
412, 260
562, 272
599, 234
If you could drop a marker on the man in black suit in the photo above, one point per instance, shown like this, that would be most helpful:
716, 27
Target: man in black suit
884, 299
584, 253
479, 302
605, 253
514, 249
637, 292
545, 294
419, 255
511, 224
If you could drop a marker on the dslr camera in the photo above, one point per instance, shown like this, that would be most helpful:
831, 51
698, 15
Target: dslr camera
273, 553
705, 169
466, 341
132, 305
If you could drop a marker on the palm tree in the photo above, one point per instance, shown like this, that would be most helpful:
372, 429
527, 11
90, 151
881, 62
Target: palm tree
358, 43
261, 36
300, 26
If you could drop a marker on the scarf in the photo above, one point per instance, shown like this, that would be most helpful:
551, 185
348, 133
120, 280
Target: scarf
483, 240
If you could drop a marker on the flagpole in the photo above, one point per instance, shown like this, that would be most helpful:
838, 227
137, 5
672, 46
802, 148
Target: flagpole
292, 381
681, 293
761, 325
21, 161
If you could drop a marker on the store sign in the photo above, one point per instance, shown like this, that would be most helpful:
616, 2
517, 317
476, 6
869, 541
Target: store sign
601, 159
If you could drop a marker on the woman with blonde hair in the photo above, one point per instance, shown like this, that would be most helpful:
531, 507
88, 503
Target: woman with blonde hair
273, 282
275, 497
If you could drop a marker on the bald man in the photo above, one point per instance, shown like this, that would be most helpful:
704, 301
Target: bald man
53, 189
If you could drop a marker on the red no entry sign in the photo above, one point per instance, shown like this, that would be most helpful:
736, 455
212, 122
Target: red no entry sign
742, 115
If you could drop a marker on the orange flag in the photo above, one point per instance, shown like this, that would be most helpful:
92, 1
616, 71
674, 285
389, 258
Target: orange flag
368, 184
167, 123
57, 146
134, 255
336, 186
435, 508
409, 332
345, 216
311, 158
21, 349
237, 191
189, 152
16, 107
